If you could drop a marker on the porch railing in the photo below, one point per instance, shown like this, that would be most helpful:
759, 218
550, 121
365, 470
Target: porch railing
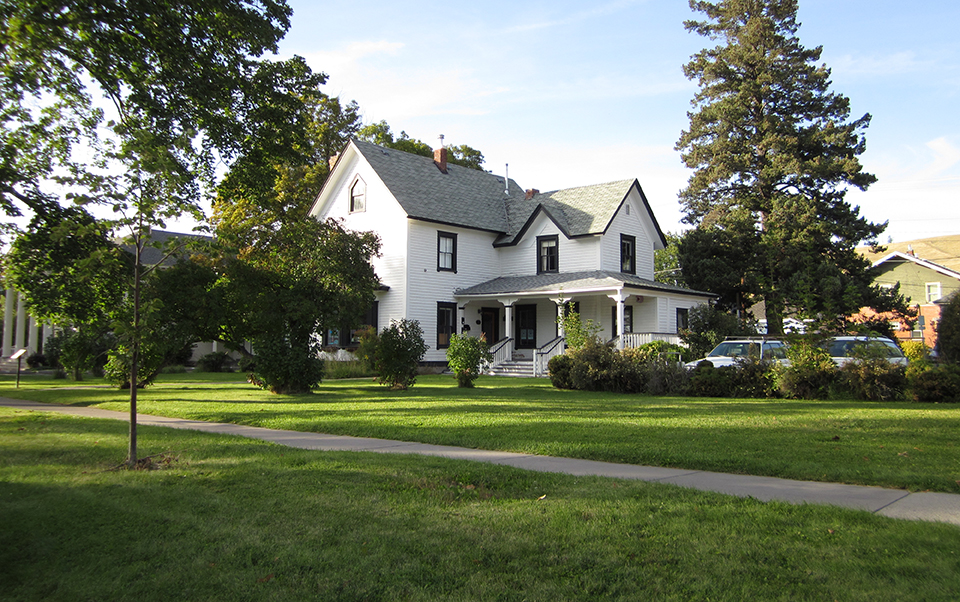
500, 351
541, 356
635, 339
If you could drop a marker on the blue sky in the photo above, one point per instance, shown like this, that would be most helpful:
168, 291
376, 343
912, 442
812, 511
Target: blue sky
574, 93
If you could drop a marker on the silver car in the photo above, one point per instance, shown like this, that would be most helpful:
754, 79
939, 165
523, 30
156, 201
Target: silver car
727, 352
848, 348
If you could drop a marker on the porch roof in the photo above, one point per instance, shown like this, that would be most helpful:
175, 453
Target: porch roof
571, 283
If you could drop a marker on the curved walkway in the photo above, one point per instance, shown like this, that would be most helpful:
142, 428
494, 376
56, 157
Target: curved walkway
895, 503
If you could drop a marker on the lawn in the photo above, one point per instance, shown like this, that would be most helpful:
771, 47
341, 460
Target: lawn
227, 518
903, 445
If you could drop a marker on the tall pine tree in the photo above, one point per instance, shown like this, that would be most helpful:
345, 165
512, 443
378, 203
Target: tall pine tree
773, 152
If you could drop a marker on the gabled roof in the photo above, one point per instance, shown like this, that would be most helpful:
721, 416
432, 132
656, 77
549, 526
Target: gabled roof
942, 250
898, 256
480, 200
571, 283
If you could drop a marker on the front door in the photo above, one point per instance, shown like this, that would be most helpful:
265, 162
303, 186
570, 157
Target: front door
490, 324
526, 334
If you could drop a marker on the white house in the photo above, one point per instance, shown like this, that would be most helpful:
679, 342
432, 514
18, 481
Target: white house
466, 251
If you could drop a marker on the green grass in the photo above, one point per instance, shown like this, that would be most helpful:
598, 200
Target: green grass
234, 519
897, 444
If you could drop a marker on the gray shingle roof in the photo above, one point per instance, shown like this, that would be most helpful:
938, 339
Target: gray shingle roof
570, 282
476, 199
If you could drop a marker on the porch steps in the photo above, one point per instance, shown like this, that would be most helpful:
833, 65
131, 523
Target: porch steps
518, 368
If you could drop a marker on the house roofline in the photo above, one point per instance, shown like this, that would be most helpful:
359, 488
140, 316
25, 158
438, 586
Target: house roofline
922, 262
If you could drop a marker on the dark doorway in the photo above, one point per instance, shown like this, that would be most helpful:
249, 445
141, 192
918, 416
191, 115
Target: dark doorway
526, 326
490, 324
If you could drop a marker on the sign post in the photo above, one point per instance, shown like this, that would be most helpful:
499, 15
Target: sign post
19, 357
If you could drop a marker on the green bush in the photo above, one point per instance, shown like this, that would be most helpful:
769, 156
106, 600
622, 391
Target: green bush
592, 366
399, 353
217, 361
285, 368
36, 360
664, 376
466, 356
559, 368
709, 381
578, 333
940, 384
119, 363
874, 379
811, 373
754, 377
367, 350
654, 349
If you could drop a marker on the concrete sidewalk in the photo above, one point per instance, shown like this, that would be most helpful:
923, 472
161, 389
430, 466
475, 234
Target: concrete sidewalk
895, 503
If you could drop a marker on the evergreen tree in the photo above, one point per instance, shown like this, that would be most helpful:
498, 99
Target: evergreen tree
773, 152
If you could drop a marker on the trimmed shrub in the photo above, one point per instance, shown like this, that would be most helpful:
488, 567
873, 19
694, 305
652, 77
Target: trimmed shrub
399, 353
940, 384
666, 377
466, 356
559, 368
753, 377
285, 368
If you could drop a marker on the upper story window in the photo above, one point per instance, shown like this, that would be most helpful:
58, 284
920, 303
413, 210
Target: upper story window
358, 196
446, 252
933, 291
628, 254
548, 254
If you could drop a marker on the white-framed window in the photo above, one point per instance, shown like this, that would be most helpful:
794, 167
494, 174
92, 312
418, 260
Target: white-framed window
933, 291
358, 196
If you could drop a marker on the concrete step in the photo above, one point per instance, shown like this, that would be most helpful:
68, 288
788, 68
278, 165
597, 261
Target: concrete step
516, 368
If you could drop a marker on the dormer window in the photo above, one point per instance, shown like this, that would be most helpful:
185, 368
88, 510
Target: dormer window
628, 253
358, 196
548, 259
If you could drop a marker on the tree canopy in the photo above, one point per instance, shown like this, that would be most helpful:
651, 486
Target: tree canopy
773, 152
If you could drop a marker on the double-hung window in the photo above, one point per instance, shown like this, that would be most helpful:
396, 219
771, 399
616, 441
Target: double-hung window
446, 323
628, 254
446, 252
548, 259
933, 291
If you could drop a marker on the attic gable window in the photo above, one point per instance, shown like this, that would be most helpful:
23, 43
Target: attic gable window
358, 196
933, 291
446, 252
628, 254
548, 259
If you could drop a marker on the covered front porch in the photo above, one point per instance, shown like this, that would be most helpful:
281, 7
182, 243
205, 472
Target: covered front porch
518, 315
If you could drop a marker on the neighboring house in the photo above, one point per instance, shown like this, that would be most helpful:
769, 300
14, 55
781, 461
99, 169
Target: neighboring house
466, 251
922, 281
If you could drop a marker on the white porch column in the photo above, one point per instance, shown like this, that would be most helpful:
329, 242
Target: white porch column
509, 330
9, 303
214, 346
33, 340
460, 318
620, 298
21, 322
560, 301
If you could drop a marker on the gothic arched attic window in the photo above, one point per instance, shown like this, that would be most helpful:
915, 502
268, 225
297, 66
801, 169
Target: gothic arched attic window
358, 196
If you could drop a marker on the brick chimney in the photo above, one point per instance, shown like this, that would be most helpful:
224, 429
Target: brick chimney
440, 158
531, 193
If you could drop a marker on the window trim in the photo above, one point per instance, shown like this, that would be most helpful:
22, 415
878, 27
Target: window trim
453, 259
626, 238
358, 181
451, 325
540, 255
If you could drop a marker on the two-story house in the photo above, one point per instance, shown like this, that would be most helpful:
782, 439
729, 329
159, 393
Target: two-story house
467, 251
